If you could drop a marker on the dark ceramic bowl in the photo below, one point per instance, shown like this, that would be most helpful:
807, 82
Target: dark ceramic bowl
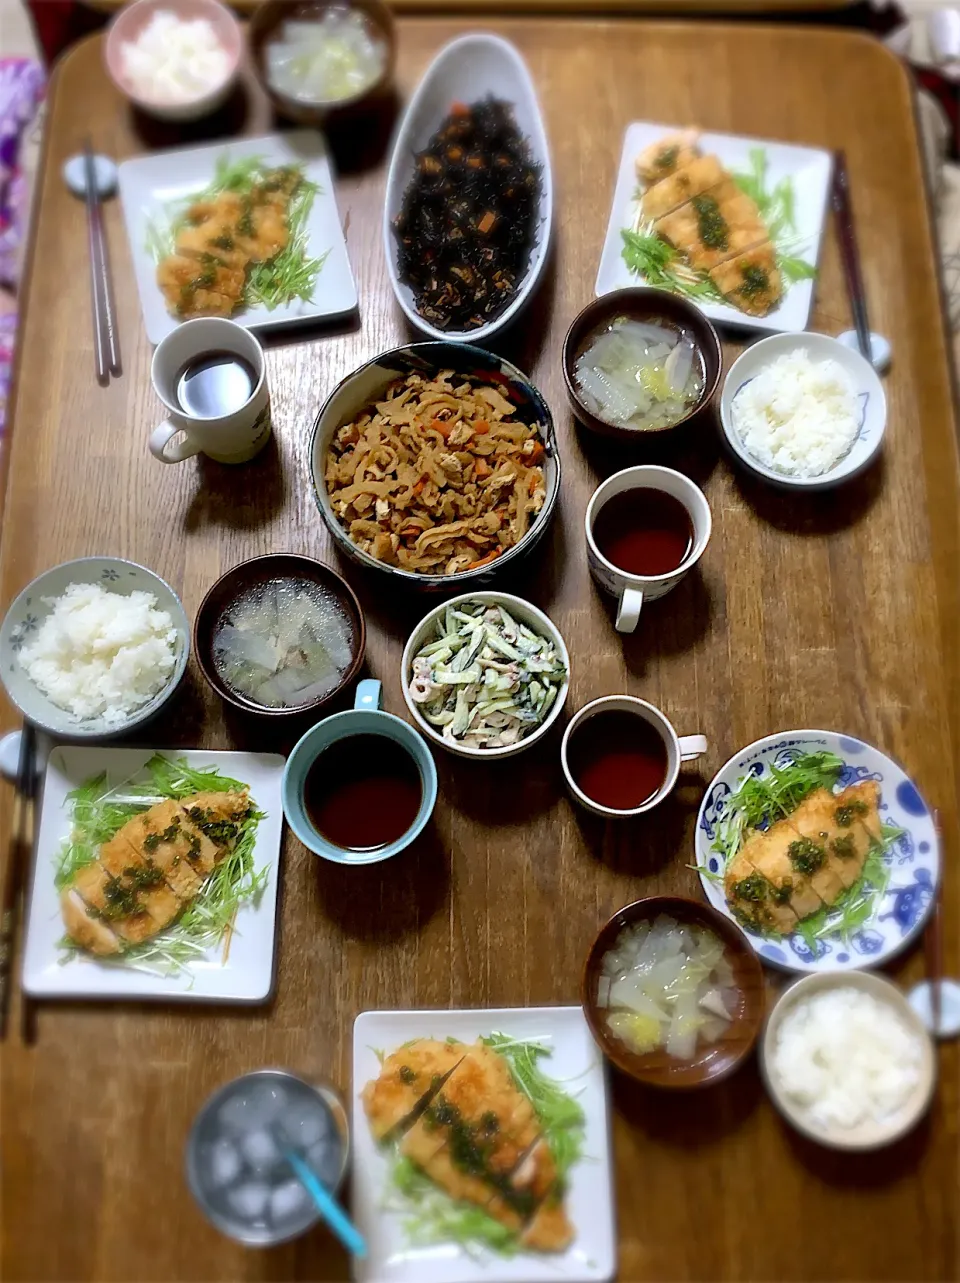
258, 569
640, 304
367, 384
711, 1061
270, 16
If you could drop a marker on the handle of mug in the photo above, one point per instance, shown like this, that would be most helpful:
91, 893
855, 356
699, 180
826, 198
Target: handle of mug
160, 438
628, 610
691, 746
369, 694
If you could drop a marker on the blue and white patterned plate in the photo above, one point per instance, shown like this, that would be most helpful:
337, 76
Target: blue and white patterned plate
913, 860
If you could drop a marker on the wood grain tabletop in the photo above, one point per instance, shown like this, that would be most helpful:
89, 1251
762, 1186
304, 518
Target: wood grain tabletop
841, 611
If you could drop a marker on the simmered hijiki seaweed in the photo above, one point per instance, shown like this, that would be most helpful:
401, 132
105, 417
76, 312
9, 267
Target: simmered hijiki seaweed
468, 220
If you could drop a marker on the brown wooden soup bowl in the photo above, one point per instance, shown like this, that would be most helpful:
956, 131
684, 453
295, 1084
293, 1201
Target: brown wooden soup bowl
641, 304
711, 1061
266, 22
258, 570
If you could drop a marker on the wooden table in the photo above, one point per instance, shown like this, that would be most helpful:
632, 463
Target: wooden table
838, 611
584, 7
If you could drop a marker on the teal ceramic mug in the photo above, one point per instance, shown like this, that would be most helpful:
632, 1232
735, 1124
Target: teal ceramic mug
365, 718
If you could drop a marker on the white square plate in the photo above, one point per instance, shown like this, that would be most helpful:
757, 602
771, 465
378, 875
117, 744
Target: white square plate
149, 183
808, 167
575, 1061
247, 975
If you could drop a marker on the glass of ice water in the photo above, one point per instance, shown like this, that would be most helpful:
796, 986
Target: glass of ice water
235, 1165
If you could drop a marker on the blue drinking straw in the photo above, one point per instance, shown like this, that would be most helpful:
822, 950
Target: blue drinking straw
327, 1205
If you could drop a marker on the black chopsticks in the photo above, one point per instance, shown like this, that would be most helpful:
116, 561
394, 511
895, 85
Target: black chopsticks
105, 342
21, 848
840, 200
933, 945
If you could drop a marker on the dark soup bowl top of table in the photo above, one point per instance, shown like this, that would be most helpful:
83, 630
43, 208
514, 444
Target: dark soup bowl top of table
323, 61
673, 993
640, 363
361, 785
279, 635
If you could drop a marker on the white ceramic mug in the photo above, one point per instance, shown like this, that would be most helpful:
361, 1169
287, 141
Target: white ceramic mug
680, 748
228, 438
631, 590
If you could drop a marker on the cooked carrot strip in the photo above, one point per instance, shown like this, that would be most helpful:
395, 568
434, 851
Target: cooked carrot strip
491, 556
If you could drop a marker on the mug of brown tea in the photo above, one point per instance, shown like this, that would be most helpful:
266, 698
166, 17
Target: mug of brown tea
211, 375
646, 527
621, 756
360, 785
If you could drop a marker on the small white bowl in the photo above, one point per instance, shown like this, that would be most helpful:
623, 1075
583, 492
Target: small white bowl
867, 1135
126, 26
522, 611
869, 392
467, 70
28, 611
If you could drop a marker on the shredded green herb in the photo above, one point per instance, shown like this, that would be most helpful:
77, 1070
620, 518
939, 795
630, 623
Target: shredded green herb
646, 255
761, 800
289, 275
806, 856
98, 813
431, 1216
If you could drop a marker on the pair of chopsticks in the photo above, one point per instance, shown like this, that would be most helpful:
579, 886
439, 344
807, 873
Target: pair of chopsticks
105, 343
840, 200
933, 945
21, 849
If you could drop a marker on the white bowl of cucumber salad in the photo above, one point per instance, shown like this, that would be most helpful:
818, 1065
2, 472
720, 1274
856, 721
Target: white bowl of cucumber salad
486, 674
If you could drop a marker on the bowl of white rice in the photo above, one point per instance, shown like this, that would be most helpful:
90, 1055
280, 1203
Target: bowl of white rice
93, 647
174, 59
803, 411
847, 1061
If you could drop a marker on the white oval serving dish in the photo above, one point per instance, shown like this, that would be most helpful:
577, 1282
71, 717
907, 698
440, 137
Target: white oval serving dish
466, 70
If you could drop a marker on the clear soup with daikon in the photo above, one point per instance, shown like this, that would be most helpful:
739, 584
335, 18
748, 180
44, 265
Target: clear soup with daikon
646, 375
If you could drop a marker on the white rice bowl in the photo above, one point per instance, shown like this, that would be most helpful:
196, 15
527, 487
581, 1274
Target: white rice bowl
101, 654
845, 1057
93, 647
847, 1061
805, 444
797, 416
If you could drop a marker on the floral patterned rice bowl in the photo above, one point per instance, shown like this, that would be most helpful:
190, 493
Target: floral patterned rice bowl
28, 612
